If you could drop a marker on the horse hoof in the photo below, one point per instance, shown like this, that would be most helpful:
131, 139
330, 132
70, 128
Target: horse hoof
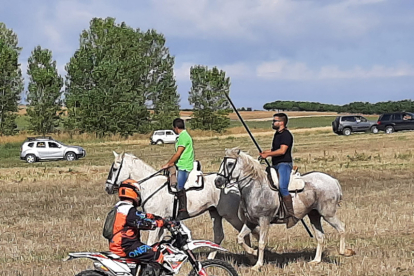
348, 253
314, 262
256, 268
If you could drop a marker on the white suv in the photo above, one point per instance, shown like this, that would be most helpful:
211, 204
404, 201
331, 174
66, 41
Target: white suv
163, 137
45, 148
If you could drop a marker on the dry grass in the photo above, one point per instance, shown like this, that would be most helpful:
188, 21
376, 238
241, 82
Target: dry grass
48, 212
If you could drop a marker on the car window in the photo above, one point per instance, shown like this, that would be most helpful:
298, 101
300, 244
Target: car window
53, 145
30, 145
170, 133
159, 133
41, 145
362, 119
348, 119
397, 117
385, 117
407, 117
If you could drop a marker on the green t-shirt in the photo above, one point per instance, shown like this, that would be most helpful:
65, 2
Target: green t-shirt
186, 161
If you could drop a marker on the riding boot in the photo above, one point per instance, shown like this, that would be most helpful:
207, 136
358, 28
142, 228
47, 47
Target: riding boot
173, 176
291, 220
182, 205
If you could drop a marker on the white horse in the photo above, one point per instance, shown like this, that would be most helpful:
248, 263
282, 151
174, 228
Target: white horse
319, 199
157, 199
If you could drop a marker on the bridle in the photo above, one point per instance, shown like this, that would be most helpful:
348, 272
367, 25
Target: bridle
228, 174
109, 181
109, 178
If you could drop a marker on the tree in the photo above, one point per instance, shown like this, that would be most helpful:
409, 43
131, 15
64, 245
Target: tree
113, 75
161, 89
44, 92
11, 81
207, 97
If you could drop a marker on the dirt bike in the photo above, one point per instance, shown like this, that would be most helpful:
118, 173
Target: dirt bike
177, 249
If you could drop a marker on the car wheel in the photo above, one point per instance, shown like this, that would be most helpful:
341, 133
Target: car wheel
389, 129
346, 131
374, 129
30, 158
70, 156
160, 142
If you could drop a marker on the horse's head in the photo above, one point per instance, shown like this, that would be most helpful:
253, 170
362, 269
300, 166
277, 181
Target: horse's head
229, 169
119, 172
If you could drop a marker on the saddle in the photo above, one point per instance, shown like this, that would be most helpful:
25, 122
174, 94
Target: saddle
195, 180
296, 183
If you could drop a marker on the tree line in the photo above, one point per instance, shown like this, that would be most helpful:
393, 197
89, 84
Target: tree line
354, 107
119, 81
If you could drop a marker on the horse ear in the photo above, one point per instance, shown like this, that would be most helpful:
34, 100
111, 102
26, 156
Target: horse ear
115, 154
238, 152
123, 154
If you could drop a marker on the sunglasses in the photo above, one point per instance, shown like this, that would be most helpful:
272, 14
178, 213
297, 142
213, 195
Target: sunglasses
277, 121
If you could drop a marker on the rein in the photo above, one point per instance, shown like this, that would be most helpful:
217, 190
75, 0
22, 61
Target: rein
151, 195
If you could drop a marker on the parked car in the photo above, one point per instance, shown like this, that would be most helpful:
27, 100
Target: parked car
163, 137
390, 122
353, 123
46, 148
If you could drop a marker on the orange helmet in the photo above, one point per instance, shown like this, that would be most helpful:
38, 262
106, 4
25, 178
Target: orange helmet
130, 191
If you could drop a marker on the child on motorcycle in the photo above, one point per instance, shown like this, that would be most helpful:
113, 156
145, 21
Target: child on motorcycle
126, 239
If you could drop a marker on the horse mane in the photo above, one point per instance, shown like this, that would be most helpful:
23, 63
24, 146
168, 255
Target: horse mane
144, 165
250, 165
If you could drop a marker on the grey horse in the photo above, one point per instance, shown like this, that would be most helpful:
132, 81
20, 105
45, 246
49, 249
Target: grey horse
320, 198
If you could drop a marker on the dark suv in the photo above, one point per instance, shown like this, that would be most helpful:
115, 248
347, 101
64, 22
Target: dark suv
353, 123
390, 122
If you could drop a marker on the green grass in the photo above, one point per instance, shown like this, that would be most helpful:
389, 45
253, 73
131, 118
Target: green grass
9, 150
294, 123
22, 122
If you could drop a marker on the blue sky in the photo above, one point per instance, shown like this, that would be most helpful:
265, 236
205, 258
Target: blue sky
325, 51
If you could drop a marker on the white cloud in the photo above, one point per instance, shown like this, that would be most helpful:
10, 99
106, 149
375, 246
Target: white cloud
182, 72
287, 70
234, 71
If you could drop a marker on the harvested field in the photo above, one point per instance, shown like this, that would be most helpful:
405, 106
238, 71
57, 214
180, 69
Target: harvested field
52, 208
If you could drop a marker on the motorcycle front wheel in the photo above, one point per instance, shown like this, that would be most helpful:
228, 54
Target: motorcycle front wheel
216, 267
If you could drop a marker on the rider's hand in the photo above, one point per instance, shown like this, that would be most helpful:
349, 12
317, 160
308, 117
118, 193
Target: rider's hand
170, 223
159, 223
264, 155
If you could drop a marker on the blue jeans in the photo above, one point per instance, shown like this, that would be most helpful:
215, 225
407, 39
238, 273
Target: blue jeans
182, 177
284, 169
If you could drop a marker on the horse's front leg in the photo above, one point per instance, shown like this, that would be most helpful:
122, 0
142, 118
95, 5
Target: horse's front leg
240, 239
217, 228
264, 223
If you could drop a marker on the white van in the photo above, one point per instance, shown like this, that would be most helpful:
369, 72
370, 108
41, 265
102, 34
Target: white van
163, 137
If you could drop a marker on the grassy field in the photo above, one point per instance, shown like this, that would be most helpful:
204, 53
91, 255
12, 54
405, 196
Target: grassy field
299, 119
52, 208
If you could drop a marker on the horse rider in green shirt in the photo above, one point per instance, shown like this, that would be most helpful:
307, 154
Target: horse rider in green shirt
180, 165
